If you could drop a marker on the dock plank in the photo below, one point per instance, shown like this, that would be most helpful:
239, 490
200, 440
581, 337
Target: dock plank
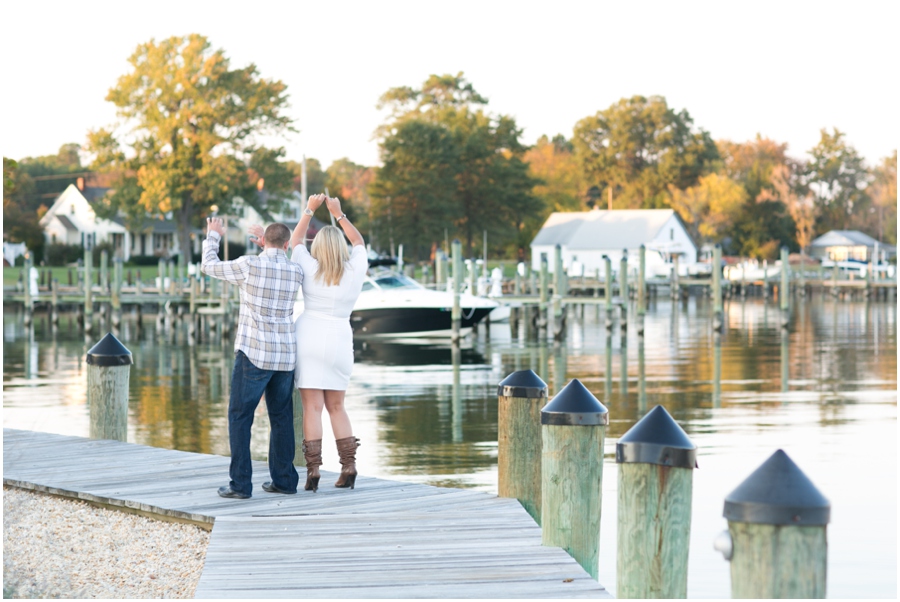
384, 539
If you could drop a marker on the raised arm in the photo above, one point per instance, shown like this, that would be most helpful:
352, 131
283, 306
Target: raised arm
298, 237
334, 206
230, 271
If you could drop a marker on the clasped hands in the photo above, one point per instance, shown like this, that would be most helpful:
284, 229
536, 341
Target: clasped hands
315, 201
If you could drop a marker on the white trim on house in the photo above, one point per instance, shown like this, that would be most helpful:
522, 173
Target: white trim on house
586, 236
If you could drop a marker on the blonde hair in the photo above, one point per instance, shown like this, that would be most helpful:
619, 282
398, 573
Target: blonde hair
330, 250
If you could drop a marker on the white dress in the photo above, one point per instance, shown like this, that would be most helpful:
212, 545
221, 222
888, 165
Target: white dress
324, 336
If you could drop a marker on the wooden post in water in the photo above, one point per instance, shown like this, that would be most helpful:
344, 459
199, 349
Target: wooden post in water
642, 378
573, 427
88, 288
456, 312
116, 292
559, 289
520, 397
656, 461
544, 296
642, 289
674, 280
623, 290
54, 301
718, 314
776, 538
109, 366
607, 265
29, 301
784, 295
104, 272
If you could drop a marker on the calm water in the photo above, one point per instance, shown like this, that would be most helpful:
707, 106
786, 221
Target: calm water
826, 393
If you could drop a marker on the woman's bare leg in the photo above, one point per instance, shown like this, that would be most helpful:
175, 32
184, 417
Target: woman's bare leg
313, 402
340, 421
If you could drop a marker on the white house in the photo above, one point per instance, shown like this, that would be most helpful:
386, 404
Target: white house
72, 221
586, 236
850, 245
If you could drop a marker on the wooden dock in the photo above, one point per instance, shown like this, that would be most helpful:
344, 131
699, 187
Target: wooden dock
385, 539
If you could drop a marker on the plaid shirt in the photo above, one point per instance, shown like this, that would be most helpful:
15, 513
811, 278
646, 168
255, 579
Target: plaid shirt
269, 284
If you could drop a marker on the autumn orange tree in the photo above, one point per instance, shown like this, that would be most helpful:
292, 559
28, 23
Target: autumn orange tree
188, 134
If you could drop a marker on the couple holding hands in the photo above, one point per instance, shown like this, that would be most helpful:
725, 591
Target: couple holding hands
273, 353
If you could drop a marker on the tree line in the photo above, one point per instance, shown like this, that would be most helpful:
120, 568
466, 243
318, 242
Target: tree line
189, 125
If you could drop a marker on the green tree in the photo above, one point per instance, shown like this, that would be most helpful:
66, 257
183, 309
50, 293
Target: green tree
883, 192
639, 147
710, 208
492, 191
20, 223
838, 178
413, 195
193, 122
315, 176
764, 223
350, 182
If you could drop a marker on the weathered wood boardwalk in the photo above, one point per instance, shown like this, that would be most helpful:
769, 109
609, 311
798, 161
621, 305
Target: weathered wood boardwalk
385, 539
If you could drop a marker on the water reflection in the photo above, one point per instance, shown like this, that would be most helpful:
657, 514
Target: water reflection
427, 411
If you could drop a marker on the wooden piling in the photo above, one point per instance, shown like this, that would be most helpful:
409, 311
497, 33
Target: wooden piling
104, 272
642, 284
623, 289
54, 301
656, 461
88, 289
718, 314
456, 312
520, 397
559, 289
29, 300
784, 294
544, 296
607, 265
109, 366
573, 427
674, 280
776, 538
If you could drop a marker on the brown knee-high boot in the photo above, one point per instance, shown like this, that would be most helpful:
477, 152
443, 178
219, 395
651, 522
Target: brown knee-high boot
312, 451
347, 451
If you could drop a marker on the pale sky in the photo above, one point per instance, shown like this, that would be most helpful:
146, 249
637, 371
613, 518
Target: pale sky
782, 69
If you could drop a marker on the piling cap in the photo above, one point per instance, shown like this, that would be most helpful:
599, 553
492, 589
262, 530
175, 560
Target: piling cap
109, 352
575, 406
777, 493
657, 439
524, 383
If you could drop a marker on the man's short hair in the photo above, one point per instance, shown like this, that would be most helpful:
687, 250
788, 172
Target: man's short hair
277, 235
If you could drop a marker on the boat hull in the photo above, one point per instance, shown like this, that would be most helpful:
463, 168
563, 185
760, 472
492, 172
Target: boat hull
413, 321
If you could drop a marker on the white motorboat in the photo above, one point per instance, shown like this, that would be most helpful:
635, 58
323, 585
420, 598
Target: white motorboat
393, 305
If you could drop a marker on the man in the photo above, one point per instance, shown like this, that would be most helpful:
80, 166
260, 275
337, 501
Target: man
265, 351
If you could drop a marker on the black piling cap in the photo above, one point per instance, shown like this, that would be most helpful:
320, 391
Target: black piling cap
575, 406
524, 383
777, 493
657, 439
109, 352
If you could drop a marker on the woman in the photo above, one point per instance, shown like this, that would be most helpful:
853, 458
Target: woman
332, 281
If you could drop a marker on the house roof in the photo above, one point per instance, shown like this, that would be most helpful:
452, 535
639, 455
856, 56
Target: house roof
602, 229
65, 221
844, 238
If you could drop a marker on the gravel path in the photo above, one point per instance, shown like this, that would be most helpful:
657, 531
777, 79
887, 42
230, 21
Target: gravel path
60, 548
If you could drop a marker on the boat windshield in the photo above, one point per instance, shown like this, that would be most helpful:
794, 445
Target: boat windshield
394, 281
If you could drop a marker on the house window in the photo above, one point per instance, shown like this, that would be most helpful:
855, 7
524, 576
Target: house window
671, 233
72, 209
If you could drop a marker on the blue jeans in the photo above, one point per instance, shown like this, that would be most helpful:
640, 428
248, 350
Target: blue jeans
247, 386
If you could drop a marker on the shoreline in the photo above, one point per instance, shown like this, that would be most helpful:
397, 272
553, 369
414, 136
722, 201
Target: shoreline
62, 548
